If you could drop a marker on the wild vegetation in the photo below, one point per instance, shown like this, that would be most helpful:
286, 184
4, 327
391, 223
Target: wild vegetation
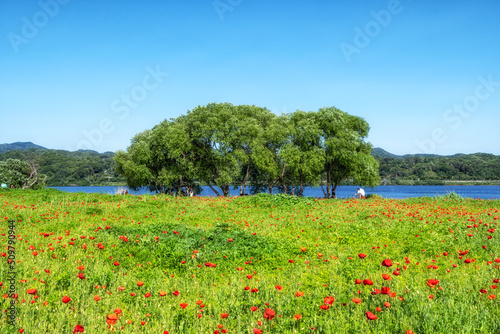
64, 168
255, 264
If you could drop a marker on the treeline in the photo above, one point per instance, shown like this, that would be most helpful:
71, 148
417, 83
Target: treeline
437, 170
222, 145
64, 168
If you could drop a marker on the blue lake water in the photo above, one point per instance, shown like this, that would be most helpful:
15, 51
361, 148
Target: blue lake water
483, 192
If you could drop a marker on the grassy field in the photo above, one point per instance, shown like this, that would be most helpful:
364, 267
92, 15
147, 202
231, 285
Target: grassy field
254, 264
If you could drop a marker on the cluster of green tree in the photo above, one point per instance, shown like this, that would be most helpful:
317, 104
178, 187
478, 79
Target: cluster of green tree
64, 168
220, 145
21, 174
437, 170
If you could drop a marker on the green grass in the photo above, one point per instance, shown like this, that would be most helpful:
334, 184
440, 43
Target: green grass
302, 244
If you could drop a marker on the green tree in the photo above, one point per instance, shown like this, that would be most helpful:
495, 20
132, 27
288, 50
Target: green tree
21, 174
271, 155
347, 155
307, 158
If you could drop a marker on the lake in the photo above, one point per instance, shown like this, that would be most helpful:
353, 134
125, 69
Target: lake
483, 192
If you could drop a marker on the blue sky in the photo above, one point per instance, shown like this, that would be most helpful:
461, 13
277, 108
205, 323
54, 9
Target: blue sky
92, 74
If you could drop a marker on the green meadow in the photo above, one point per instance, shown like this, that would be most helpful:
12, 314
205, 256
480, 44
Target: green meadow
255, 264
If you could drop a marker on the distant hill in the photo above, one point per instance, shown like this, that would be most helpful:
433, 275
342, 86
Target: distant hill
21, 146
381, 153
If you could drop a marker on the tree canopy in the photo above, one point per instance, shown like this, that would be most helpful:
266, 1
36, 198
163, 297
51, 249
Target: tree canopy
223, 145
21, 174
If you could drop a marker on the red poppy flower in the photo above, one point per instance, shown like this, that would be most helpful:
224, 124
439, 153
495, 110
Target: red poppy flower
176, 293
269, 314
367, 282
183, 305
297, 317
387, 263
147, 295
329, 300
224, 315
249, 276
66, 299
299, 294
116, 263
325, 307
78, 328
253, 308
139, 283
278, 287
361, 255
31, 291
386, 277
371, 316
357, 281
97, 298
257, 331
385, 290
432, 283
356, 300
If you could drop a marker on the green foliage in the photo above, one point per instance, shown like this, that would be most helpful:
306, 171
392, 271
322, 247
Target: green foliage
459, 169
64, 168
222, 145
268, 200
21, 174
452, 196
215, 251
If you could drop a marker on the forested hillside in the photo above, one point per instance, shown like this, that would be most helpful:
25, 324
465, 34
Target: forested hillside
459, 169
64, 168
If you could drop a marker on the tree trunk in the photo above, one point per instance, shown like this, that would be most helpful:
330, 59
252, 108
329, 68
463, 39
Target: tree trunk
243, 184
328, 184
281, 178
214, 190
334, 195
225, 190
33, 177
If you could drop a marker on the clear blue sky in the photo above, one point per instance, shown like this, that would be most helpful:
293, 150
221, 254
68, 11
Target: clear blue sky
92, 74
